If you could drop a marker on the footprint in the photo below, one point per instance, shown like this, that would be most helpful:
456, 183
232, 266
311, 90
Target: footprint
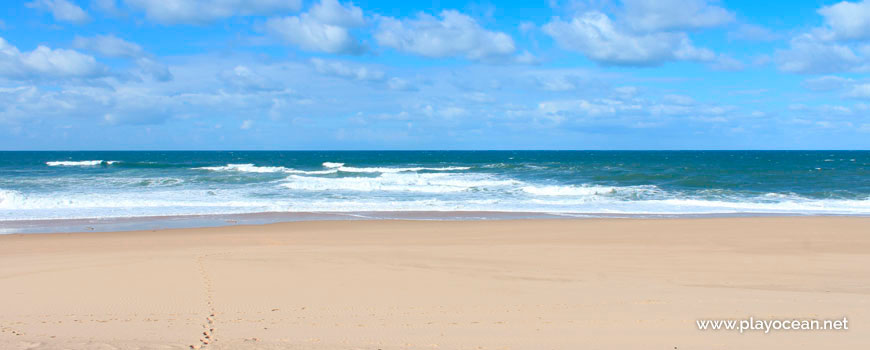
208, 335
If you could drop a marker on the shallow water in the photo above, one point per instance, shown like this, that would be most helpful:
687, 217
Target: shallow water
100, 185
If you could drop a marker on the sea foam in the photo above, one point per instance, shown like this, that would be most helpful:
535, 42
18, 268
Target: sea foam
79, 163
397, 182
570, 183
251, 168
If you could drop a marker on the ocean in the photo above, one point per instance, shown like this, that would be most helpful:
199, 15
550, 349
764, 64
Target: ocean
47, 186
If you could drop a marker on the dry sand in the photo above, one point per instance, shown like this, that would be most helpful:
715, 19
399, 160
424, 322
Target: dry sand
526, 284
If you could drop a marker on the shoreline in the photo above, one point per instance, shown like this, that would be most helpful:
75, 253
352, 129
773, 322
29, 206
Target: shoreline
401, 284
142, 223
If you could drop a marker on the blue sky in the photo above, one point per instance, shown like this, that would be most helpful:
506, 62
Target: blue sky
299, 74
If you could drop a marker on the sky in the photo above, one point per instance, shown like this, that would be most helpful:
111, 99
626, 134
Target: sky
372, 75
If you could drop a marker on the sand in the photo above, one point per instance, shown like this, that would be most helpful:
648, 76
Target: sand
524, 284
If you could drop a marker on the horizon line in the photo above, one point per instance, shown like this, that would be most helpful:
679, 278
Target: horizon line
451, 150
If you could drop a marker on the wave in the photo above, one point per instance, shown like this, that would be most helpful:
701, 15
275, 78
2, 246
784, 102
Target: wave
10, 199
80, 162
392, 192
21, 207
394, 182
596, 191
149, 165
398, 170
331, 168
251, 168
347, 169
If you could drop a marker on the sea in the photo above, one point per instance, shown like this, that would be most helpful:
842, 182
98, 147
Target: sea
95, 190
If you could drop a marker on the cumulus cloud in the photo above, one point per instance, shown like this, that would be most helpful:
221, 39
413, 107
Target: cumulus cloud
526, 58
642, 32
197, 95
827, 83
61, 10
678, 99
109, 45
452, 35
334, 13
109, 7
630, 111
205, 11
112, 46
400, 84
585, 107
807, 53
860, 91
350, 71
726, 63
840, 45
326, 27
663, 15
595, 35
345, 70
120, 105
46, 63
154, 69
245, 78
848, 20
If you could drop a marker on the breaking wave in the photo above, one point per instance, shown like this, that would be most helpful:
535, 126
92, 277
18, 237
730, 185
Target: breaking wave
80, 162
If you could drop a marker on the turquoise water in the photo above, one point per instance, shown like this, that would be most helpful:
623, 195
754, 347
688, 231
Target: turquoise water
78, 185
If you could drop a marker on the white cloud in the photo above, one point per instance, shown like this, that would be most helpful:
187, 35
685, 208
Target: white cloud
334, 13
324, 28
246, 124
860, 91
662, 15
120, 105
848, 20
112, 46
347, 71
527, 27
479, 97
809, 54
826, 83
625, 92
244, 78
726, 63
452, 112
678, 99
351, 71
558, 83
453, 35
585, 107
47, 63
154, 69
400, 84
61, 10
596, 36
526, 58
109, 7
205, 11
837, 46
109, 45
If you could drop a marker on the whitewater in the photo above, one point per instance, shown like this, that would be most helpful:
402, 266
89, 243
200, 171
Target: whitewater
100, 185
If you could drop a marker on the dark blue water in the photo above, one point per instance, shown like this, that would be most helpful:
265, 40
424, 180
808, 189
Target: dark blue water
68, 185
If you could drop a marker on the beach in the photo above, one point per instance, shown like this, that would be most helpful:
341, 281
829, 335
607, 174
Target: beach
395, 284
